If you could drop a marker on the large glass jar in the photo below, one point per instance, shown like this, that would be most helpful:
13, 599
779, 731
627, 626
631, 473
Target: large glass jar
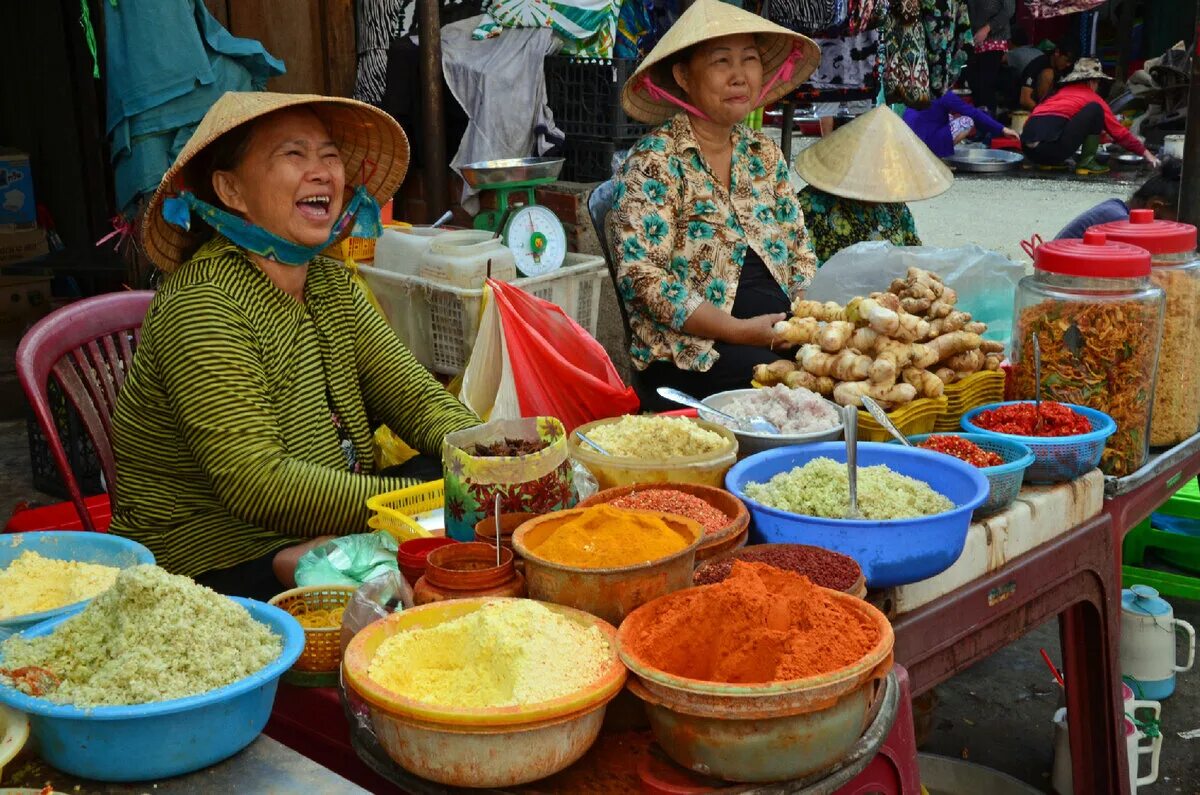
1176, 269
1098, 319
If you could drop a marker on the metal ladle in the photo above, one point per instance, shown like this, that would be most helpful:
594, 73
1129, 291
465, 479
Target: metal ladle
1037, 384
876, 411
751, 424
446, 216
592, 444
851, 414
497, 517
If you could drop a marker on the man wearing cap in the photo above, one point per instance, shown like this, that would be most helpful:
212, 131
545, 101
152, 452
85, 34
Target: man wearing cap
242, 433
708, 240
1073, 117
1039, 77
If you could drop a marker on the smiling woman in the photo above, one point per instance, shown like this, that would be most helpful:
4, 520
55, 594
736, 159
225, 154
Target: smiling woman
709, 243
243, 431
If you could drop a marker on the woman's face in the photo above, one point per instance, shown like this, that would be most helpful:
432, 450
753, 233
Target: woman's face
289, 179
723, 77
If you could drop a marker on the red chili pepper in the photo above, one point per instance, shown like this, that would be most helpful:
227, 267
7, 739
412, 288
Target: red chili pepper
1021, 419
963, 449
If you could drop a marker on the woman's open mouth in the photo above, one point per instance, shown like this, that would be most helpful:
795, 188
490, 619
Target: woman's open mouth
314, 208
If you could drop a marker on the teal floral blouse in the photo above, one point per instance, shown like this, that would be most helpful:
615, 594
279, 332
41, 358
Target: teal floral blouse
679, 238
836, 223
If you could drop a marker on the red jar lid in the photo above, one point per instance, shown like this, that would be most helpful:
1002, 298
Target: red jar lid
1157, 237
1094, 256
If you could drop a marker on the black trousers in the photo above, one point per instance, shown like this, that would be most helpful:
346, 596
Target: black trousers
1050, 140
732, 371
983, 73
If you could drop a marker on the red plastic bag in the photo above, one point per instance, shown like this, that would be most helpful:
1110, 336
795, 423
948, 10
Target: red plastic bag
531, 360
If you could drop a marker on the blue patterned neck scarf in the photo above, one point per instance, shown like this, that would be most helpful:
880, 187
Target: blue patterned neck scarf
363, 209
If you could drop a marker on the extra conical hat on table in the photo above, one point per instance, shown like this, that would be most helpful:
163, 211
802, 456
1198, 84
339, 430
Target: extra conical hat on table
875, 158
712, 19
374, 152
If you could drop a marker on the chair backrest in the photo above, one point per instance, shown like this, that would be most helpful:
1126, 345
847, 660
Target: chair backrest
600, 202
88, 348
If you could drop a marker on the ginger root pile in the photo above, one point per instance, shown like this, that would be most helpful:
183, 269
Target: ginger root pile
896, 346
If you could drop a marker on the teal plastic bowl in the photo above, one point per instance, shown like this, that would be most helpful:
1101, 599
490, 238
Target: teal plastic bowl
167, 738
77, 545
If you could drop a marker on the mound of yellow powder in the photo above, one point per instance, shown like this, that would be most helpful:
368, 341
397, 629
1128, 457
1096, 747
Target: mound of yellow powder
603, 537
503, 654
32, 584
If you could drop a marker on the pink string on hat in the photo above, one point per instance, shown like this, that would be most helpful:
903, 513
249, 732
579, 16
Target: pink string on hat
654, 92
785, 70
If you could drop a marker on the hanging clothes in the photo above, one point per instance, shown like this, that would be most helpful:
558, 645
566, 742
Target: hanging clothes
377, 22
948, 39
587, 27
166, 63
806, 16
848, 62
906, 68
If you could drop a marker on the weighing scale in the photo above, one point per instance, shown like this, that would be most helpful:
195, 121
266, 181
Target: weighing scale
533, 232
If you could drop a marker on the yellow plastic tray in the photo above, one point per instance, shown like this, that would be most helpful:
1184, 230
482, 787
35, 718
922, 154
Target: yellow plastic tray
917, 417
974, 390
395, 510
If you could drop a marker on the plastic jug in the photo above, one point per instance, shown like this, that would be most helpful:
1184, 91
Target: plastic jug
400, 250
461, 259
1137, 745
1148, 642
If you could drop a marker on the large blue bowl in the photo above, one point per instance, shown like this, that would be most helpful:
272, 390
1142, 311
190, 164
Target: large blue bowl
891, 552
168, 738
76, 545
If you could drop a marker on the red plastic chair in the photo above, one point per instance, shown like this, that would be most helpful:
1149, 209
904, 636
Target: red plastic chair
88, 348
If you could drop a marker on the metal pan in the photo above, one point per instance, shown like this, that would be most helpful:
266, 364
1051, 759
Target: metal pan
487, 173
984, 160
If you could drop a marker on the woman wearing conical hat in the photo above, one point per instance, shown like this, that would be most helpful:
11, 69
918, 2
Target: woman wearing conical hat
242, 433
709, 242
859, 179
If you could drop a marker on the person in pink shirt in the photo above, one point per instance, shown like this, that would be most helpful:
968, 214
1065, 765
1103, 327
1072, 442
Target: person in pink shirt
1073, 117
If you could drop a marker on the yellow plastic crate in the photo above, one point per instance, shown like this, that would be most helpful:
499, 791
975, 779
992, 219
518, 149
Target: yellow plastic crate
920, 416
394, 510
973, 391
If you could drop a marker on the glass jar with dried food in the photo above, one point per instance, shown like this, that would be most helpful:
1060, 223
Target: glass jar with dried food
1176, 269
1098, 319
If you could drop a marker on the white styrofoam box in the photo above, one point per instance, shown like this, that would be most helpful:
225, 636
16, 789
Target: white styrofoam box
439, 322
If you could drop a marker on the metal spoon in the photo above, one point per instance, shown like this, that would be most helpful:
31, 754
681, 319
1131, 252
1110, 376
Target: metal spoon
1037, 383
751, 424
851, 414
497, 516
876, 411
446, 216
592, 444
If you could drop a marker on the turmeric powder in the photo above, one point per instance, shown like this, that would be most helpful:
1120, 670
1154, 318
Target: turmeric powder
603, 537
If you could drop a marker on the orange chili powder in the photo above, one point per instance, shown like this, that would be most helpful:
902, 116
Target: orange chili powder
760, 625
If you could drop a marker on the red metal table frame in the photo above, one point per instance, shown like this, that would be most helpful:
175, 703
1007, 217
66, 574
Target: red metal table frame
1136, 504
1071, 577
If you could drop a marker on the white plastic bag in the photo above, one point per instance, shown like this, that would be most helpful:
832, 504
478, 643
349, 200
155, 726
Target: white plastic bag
375, 599
488, 386
986, 281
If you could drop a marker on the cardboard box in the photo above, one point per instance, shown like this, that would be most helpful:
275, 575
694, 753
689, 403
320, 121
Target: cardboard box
22, 244
24, 300
17, 206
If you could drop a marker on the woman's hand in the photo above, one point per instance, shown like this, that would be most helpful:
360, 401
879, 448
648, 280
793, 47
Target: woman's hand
1009, 132
1149, 157
759, 331
982, 34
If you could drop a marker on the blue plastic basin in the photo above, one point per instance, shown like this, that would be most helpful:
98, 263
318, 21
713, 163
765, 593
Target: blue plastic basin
102, 548
892, 552
168, 738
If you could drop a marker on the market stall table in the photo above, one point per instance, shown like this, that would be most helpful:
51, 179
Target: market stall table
1131, 499
264, 766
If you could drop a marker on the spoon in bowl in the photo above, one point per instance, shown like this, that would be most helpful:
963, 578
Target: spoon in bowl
851, 414
751, 424
880, 416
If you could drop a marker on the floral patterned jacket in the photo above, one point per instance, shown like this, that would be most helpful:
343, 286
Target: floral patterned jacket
679, 238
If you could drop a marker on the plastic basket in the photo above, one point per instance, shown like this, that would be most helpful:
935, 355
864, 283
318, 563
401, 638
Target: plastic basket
1004, 481
439, 322
919, 416
975, 390
591, 159
585, 95
394, 510
322, 645
1057, 459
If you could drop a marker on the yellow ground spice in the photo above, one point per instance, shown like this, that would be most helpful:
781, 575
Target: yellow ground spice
33, 584
503, 654
604, 537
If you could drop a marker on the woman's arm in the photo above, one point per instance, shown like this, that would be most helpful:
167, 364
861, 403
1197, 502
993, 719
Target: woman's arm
397, 389
1120, 133
217, 387
982, 118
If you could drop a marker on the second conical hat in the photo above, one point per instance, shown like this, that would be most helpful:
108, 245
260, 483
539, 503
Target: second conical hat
875, 158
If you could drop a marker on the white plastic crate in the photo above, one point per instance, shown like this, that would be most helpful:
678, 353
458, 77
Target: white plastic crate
439, 322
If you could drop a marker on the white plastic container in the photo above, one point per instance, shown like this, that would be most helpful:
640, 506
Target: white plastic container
1149, 630
460, 259
400, 250
1137, 745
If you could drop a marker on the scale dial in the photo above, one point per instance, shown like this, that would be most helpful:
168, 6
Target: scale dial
537, 239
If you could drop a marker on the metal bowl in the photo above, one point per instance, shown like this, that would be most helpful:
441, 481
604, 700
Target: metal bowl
750, 443
489, 173
984, 160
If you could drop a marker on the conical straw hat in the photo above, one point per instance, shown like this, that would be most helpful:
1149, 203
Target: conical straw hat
875, 158
712, 19
374, 152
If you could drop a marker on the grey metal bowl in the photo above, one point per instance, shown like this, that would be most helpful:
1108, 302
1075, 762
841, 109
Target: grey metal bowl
751, 443
489, 173
984, 160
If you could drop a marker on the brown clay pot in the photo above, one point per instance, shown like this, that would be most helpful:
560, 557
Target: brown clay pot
467, 570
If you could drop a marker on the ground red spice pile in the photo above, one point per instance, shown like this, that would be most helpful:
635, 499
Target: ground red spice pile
674, 502
962, 449
824, 567
1021, 419
760, 625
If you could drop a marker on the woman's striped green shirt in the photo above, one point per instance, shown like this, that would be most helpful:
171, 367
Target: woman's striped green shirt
223, 433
